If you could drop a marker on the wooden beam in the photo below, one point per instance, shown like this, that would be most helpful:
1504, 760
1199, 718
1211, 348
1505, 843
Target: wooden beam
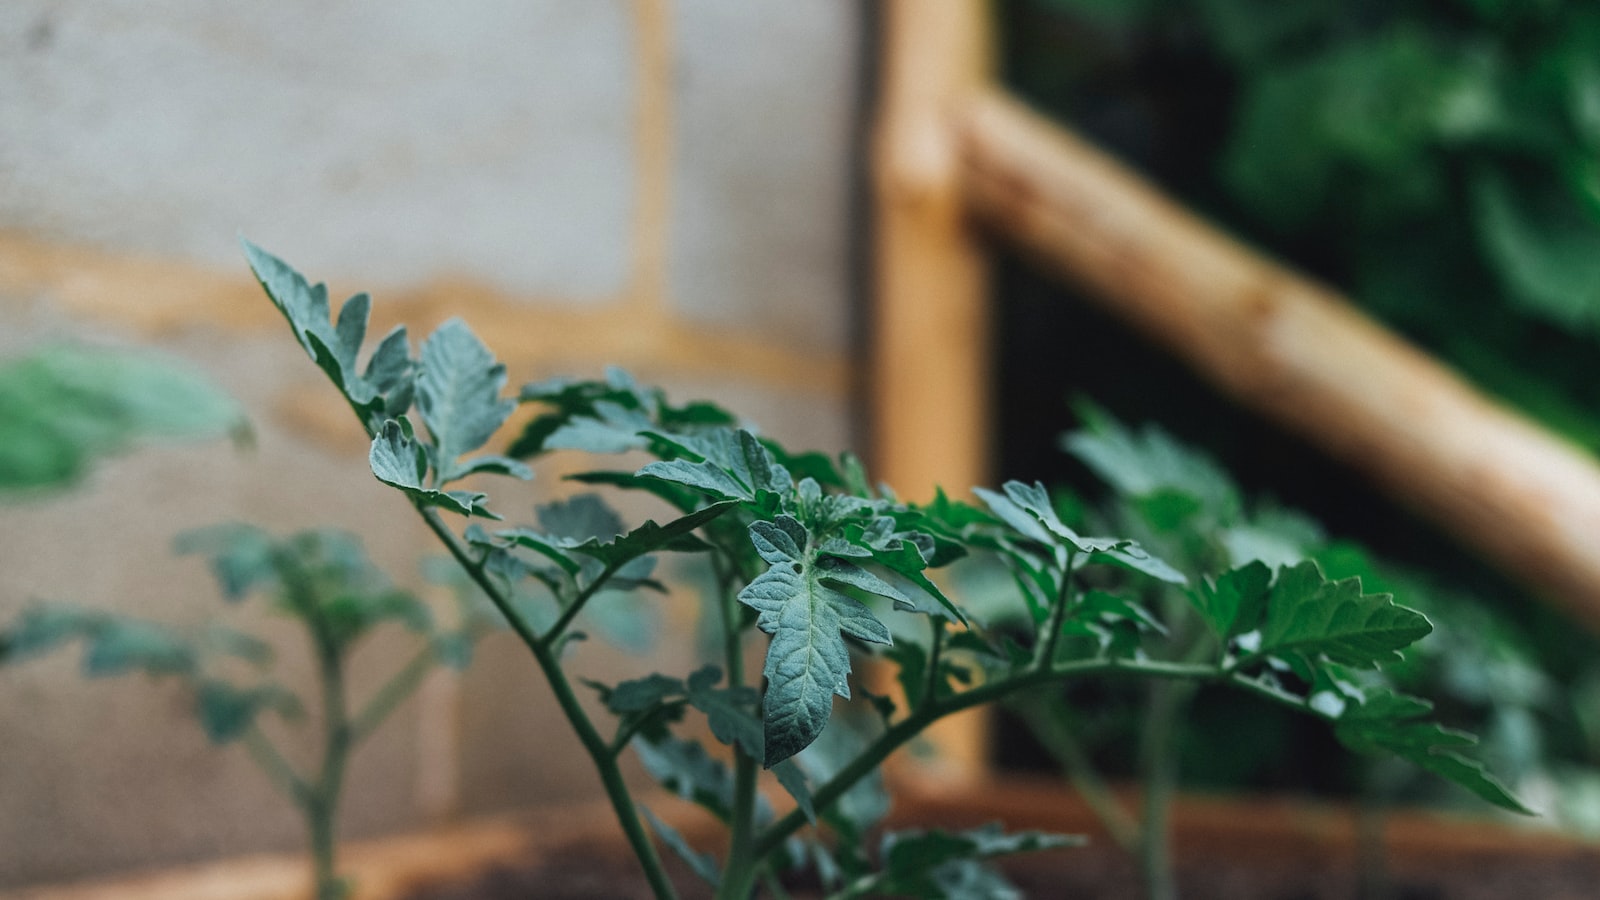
1292, 350
928, 378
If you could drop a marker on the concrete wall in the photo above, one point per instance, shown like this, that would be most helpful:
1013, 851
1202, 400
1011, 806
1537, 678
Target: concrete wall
662, 184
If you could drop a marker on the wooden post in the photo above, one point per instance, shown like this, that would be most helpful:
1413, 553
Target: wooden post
1292, 350
929, 369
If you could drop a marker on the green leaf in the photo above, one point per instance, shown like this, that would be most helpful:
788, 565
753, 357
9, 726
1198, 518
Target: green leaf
62, 406
223, 641
454, 649
793, 780
702, 864
1236, 603
226, 712
647, 538
1149, 463
642, 694
703, 476
1392, 723
725, 464
685, 768
729, 711
458, 397
1138, 559
239, 556
385, 390
1544, 247
1309, 615
124, 645
579, 518
398, 460
1099, 611
807, 659
865, 804
896, 552
45, 626
1027, 508
937, 864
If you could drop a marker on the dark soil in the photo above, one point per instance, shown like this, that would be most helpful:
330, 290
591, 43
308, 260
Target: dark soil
1226, 849
598, 872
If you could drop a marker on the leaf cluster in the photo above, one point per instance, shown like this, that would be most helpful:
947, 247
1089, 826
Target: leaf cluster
1275, 617
805, 551
320, 578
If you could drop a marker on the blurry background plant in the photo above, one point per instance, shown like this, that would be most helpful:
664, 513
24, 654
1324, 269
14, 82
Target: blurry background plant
1186, 509
64, 405
323, 580
1437, 162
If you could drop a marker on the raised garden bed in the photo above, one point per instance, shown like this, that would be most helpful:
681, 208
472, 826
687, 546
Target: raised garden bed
1273, 849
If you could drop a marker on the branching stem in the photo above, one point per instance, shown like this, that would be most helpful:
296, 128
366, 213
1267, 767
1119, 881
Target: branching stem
896, 735
394, 692
599, 751
738, 877
1050, 638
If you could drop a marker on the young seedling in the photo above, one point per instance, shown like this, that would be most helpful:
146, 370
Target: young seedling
322, 580
805, 552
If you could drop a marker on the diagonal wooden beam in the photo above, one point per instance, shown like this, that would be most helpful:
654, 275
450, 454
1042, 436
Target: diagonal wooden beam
1292, 350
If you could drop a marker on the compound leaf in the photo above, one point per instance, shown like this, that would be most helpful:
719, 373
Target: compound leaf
385, 390
808, 661
1393, 723
1308, 615
400, 461
458, 397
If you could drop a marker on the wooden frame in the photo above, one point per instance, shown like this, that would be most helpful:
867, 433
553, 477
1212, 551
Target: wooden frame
952, 148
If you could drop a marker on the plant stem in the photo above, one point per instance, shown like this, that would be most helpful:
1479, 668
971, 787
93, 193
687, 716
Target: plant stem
322, 812
930, 691
739, 872
599, 752
283, 776
1050, 638
401, 685
1046, 718
319, 800
579, 602
1160, 769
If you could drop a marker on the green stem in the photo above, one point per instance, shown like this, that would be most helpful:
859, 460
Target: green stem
599, 752
1160, 756
1045, 652
319, 801
283, 775
579, 602
322, 813
1047, 719
1160, 770
930, 691
739, 873
403, 684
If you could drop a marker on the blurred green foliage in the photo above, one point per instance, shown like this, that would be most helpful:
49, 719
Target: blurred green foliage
63, 406
1481, 669
1439, 160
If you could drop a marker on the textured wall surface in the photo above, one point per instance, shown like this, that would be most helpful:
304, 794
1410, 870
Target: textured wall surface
657, 183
